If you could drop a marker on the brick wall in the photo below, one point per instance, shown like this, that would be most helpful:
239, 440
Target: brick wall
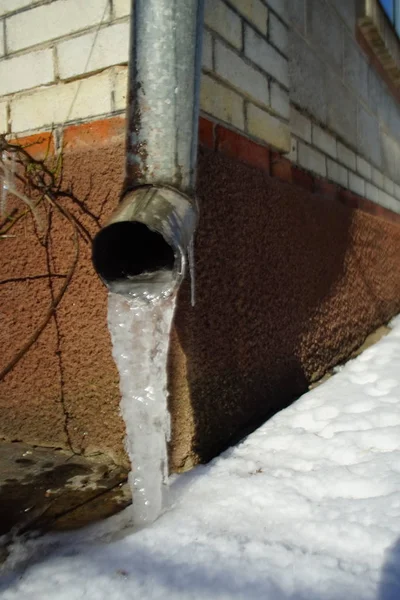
46, 78
246, 75
345, 121
287, 73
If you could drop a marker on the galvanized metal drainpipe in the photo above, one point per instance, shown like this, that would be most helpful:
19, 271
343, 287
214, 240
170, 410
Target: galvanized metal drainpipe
143, 247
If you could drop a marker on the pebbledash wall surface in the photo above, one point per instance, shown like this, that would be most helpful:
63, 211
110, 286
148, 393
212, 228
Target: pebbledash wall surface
298, 248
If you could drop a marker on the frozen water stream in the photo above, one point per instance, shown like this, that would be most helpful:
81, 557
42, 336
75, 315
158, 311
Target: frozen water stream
140, 330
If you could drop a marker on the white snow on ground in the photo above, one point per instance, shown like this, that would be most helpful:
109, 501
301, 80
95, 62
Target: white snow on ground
306, 508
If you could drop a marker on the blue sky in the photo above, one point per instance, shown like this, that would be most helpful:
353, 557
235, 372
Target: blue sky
388, 6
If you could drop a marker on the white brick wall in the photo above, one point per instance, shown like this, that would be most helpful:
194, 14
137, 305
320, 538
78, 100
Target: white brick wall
264, 126
241, 75
293, 153
26, 71
3, 117
300, 125
335, 84
51, 21
221, 102
7, 6
372, 192
364, 168
346, 156
224, 21
122, 8
120, 87
388, 201
337, 173
388, 185
278, 34
324, 141
255, 11
280, 102
73, 54
55, 104
2, 41
265, 56
348, 170
377, 178
311, 159
207, 58
49, 43
356, 184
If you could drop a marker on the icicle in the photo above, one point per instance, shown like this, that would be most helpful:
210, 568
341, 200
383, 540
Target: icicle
140, 330
8, 177
3, 200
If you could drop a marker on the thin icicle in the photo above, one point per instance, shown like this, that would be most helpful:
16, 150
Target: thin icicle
3, 199
8, 177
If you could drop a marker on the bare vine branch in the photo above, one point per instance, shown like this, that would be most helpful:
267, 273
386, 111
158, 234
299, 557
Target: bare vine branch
31, 178
51, 310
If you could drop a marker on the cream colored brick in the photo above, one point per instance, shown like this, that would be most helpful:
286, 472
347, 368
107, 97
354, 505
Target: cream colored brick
265, 56
51, 21
311, 159
377, 178
346, 156
389, 201
224, 21
7, 6
300, 125
372, 192
26, 71
207, 60
388, 185
221, 102
122, 8
55, 104
121, 88
240, 74
2, 48
324, 141
356, 184
364, 168
278, 34
110, 48
255, 11
280, 102
264, 126
3, 117
280, 7
337, 173
292, 155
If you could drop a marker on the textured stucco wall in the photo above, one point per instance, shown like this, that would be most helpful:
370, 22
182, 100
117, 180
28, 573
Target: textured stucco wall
288, 283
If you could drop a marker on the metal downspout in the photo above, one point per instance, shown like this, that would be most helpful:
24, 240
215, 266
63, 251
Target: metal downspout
143, 248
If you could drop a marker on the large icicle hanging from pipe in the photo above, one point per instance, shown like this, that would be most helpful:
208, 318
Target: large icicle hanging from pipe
141, 253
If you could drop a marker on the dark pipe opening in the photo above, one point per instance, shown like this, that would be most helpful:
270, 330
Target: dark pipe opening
128, 249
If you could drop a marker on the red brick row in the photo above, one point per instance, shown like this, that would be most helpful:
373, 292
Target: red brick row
218, 139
